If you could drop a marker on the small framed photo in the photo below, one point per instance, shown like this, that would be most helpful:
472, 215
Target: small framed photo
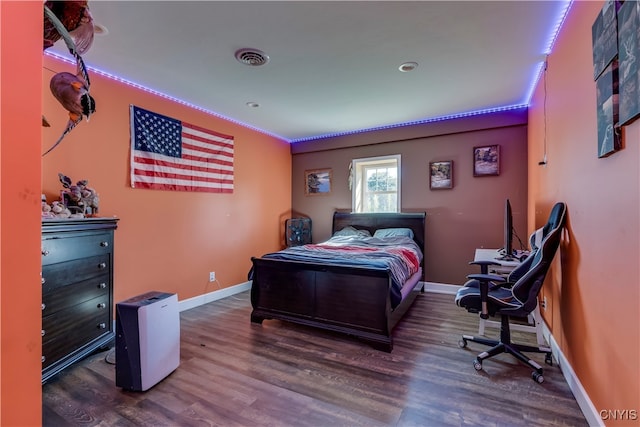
486, 160
441, 175
317, 182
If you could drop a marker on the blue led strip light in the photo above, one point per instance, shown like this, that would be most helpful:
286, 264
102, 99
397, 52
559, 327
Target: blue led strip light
538, 73
164, 95
552, 41
417, 122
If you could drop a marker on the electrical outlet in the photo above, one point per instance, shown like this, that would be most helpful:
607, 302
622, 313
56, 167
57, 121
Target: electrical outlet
212, 276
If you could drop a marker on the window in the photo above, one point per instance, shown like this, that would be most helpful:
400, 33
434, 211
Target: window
376, 184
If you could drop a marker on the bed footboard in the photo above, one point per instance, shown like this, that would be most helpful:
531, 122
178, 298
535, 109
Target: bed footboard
339, 298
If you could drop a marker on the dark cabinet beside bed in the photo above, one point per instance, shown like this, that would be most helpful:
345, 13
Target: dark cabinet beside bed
77, 290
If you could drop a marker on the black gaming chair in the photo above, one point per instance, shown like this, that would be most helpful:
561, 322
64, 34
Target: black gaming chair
492, 295
515, 274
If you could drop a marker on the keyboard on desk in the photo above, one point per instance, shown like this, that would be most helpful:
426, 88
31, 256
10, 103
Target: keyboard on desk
517, 255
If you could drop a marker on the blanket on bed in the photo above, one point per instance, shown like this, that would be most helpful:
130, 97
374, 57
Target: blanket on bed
400, 255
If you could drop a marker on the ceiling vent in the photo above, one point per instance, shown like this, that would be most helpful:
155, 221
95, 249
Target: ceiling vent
252, 57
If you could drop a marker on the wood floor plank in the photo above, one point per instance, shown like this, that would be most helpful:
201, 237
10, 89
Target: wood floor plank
236, 373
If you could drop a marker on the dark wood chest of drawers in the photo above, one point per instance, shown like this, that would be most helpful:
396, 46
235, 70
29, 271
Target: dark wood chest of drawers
77, 290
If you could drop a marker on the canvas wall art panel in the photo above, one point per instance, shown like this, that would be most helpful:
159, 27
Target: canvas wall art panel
607, 99
628, 58
604, 34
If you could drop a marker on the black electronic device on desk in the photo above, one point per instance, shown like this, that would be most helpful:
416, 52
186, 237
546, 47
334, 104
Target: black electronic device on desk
507, 249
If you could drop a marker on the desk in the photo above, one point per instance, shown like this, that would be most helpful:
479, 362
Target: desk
505, 267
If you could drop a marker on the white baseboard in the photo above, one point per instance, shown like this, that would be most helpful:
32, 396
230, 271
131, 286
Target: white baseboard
582, 398
441, 288
213, 296
586, 406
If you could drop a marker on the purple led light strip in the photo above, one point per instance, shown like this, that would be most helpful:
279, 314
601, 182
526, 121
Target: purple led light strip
538, 73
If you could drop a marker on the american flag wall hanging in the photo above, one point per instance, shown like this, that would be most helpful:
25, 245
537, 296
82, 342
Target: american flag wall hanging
168, 154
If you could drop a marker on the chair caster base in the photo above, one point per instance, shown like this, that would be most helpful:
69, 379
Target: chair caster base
537, 377
477, 365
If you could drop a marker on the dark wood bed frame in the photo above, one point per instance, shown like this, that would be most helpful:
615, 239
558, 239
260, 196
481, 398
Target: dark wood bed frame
350, 300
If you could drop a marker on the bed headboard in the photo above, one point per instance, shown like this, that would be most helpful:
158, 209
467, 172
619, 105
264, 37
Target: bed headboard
375, 221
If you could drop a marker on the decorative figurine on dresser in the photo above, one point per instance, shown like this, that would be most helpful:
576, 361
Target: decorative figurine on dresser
77, 289
79, 198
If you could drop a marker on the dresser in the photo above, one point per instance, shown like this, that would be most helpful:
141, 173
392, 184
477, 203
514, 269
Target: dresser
77, 290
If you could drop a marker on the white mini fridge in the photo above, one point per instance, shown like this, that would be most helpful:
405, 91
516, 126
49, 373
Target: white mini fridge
147, 340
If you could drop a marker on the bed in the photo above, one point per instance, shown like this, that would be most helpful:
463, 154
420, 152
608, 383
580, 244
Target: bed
353, 297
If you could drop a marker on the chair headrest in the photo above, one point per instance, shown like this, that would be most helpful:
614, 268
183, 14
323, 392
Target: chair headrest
536, 238
556, 217
556, 220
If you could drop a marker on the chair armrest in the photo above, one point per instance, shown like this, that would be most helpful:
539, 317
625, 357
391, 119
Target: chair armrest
484, 280
484, 262
484, 265
487, 278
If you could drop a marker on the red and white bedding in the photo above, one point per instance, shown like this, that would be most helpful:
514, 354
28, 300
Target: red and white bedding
399, 254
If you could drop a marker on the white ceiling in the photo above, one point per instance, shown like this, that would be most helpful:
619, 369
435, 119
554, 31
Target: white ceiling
333, 64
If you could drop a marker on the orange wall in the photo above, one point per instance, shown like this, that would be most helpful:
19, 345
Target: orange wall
20, 289
593, 293
169, 240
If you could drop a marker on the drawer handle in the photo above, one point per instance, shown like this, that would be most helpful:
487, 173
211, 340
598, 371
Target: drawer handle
102, 265
104, 244
102, 305
44, 306
102, 326
42, 332
45, 252
102, 285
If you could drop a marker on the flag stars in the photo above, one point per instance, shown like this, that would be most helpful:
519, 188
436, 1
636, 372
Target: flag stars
158, 134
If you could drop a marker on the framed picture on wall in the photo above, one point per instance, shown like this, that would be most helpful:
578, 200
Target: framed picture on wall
441, 175
486, 160
317, 182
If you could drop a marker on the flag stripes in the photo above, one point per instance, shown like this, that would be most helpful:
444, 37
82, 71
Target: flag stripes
168, 154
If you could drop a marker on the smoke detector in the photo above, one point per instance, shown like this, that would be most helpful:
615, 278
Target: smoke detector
252, 57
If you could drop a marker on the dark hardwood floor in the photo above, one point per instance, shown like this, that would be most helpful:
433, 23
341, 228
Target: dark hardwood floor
234, 373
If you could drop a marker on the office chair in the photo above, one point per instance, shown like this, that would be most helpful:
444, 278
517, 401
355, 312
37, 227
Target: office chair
534, 319
492, 295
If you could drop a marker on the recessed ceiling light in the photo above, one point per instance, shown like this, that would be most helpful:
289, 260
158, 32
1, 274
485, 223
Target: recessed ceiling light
253, 104
408, 66
252, 57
